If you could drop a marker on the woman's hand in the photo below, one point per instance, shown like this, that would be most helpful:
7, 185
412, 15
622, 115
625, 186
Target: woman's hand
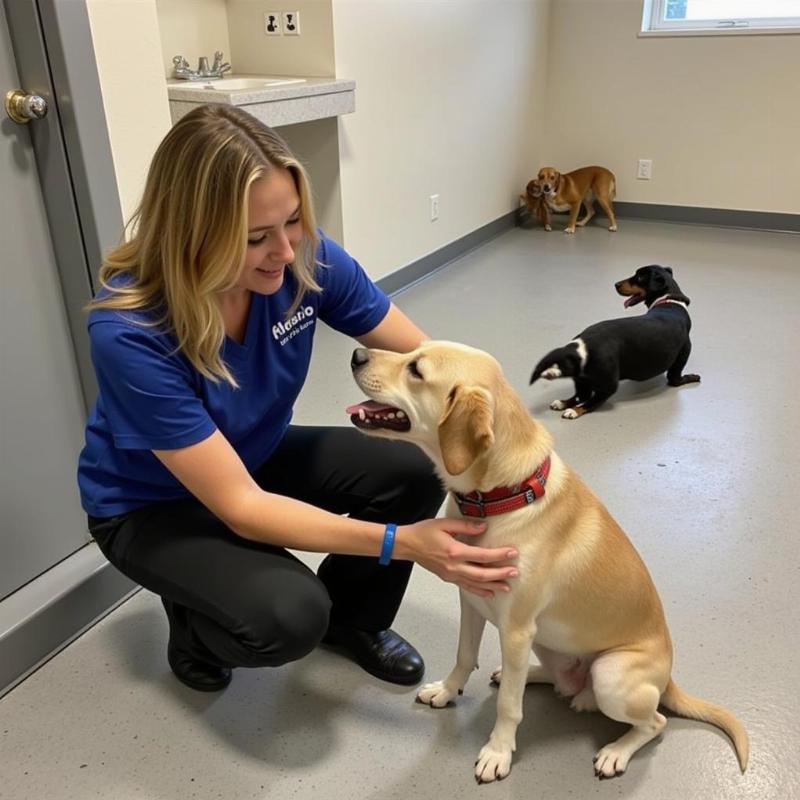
432, 544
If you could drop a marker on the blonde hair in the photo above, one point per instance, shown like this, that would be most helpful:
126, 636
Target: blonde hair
189, 234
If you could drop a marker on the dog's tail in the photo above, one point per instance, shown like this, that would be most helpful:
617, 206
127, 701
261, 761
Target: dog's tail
563, 362
543, 364
677, 701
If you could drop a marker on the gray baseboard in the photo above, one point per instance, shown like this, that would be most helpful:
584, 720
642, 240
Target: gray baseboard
717, 217
410, 274
44, 616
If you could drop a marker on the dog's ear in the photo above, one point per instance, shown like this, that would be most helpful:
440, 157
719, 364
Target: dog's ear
650, 278
466, 427
668, 269
657, 282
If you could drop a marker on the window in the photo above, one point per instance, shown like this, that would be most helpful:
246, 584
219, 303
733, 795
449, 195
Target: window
721, 16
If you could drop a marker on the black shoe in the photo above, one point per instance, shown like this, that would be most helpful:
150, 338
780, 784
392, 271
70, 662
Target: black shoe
197, 674
384, 654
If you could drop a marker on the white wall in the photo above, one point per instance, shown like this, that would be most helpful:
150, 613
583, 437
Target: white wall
128, 53
309, 54
719, 115
192, 28
448, 96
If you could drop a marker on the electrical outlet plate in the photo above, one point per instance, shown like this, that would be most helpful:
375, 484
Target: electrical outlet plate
434, 207
645, 171
272, 23
291, 23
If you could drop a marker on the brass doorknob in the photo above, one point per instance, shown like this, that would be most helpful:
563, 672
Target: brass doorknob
23, 107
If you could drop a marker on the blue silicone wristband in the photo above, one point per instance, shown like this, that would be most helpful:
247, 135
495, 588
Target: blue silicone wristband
388, 544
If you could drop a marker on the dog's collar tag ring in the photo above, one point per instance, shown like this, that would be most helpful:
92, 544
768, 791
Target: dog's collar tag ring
503, 499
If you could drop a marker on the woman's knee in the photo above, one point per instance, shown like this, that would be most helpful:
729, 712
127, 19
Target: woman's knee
288, 630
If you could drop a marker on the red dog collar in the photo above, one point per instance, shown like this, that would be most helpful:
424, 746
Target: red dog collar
504, 498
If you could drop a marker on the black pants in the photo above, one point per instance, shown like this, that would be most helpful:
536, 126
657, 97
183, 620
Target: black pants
234, 602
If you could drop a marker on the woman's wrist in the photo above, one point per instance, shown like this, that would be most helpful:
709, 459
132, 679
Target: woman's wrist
387, 547
403, 547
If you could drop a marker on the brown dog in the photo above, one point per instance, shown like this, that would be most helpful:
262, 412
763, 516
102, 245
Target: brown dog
534, 200
566, 192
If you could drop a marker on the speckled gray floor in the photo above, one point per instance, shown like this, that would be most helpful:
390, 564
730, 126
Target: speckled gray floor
703, 478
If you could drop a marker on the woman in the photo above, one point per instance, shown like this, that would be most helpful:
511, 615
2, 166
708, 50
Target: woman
194, 480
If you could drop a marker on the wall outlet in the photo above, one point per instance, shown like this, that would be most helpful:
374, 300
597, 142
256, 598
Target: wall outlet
272, 23
291, 23
434, 207
645, 171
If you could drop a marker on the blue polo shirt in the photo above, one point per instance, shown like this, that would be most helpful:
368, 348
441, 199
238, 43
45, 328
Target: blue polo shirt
151, 398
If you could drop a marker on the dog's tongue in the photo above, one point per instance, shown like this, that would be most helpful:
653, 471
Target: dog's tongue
632, 300
370, 406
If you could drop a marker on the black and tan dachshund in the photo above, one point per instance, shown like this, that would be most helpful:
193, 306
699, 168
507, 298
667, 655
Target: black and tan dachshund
628, 348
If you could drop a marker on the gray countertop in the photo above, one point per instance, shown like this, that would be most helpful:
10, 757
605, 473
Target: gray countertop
310, 87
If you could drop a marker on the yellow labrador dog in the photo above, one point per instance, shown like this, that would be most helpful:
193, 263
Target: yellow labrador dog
584, 601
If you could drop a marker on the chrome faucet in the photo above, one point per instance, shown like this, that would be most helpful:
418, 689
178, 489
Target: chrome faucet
203, 72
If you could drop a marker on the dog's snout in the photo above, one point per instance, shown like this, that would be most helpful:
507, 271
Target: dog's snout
359, 358
618, 285
547, 187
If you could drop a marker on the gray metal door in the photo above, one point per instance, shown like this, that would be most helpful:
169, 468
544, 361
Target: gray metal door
42, 408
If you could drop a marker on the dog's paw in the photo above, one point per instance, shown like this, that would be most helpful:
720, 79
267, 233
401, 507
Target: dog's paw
435, 695
548, 228
569, 229
493, 763
584, 701
558, 405
571, 413
611, 760
613, 228
684, 379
